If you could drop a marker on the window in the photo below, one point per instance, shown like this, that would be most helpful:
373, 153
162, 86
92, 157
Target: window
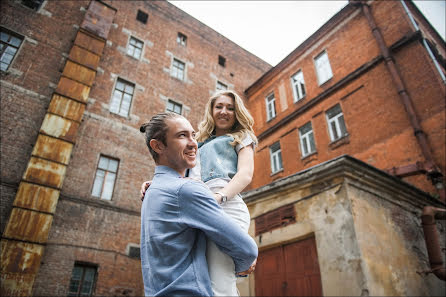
134, 48
181, 39
33, 4
174, 107
135, 252
83, 279
297, 81
270, 107
104, 181
142, 16
323, 68
221, 86
122, 97
178, 69
9, 45
307, 144
336, 124
221, 61
276, 157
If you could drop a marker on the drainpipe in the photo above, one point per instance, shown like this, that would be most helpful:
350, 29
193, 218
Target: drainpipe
433, 172
431, 237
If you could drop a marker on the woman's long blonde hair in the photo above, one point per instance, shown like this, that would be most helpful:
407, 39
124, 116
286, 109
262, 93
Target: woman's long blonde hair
243, 120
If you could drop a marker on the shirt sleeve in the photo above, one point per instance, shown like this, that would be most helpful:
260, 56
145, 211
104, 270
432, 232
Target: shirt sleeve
245, 142
199, 210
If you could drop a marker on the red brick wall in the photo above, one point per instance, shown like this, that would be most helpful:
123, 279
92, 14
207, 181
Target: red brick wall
378, 126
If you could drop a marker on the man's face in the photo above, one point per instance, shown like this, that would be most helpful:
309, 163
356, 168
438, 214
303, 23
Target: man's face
181, 147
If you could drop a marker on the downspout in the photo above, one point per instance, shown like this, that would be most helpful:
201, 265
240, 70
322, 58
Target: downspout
433, 172
432, 239
428, 49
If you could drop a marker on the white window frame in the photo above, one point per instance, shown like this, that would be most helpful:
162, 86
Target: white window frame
298, 85
132, 48
336, 124
9, 47
176, 71
105, 178
174, 104
305, 140
276, 158
270, 101
181, 39
221, 86
323, 68
120, 103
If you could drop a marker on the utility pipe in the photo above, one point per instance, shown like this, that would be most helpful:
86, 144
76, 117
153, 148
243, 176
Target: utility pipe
432, 239
433, 171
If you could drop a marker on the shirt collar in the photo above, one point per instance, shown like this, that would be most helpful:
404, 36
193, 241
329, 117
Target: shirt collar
162, 169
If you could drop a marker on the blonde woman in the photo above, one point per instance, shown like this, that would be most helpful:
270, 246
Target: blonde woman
226, 143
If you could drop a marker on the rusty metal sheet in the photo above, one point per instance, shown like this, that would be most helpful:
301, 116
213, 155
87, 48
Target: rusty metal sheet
84, 57
28, 225
98, 19
16, 284
73, 89
66, 107
79, 73
20, 257
36, 197
45, 172
90, 43
53, 149
59, 127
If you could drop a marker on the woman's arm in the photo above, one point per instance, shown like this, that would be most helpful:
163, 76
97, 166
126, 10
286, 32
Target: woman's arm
245, 170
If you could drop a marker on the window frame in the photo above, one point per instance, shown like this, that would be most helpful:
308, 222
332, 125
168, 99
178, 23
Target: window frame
276, 155
39, 5
84, 267
271, 112
175, 73
181, 39
142, 16
134, 47
123, 91
321, 68
174, 104
103, 182
336, 120
298, 86
7, 45
221, 61
305, 141
221, 84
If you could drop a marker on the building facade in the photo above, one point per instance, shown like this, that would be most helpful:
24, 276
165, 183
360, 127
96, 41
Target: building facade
78, 79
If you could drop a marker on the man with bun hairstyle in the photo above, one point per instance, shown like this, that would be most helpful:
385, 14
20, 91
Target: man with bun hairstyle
178, 214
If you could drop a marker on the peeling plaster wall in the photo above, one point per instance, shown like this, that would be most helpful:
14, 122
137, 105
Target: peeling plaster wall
392, 245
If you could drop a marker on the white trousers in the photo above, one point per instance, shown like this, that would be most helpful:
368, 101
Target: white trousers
221, 266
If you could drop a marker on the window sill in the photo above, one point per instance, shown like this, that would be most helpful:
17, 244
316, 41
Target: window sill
270, 120
340, 141
275, 173
325, 82
309, 158
299, 100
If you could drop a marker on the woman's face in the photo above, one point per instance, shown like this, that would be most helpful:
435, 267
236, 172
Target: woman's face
223, 114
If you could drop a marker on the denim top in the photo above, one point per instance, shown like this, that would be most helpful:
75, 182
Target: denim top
177, 215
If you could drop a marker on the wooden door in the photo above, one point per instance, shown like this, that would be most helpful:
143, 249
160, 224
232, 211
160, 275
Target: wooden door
289, 270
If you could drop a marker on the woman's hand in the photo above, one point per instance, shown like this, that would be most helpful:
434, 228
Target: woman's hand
145, 185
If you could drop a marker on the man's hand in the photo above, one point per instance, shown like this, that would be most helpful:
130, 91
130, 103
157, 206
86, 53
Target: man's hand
250, 269
145, 185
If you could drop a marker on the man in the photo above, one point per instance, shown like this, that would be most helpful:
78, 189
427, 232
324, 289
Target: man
177, 215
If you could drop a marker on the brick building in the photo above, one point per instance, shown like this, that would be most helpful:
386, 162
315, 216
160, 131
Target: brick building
81, 76
77, 81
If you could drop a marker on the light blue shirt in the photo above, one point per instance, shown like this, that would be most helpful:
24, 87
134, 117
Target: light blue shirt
176, 216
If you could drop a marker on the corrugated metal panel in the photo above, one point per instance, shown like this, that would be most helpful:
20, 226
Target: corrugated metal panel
79, 73
66, 107
73, 89
53, 149
84, 57
98, 19
16, 284
28, 225
20, 257
36, 197
45, 172
90, 43
59, 127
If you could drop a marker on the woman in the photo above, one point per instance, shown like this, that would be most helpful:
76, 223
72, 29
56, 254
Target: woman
226, 164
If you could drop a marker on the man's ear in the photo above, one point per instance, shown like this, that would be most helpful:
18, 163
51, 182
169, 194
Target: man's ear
157, 146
